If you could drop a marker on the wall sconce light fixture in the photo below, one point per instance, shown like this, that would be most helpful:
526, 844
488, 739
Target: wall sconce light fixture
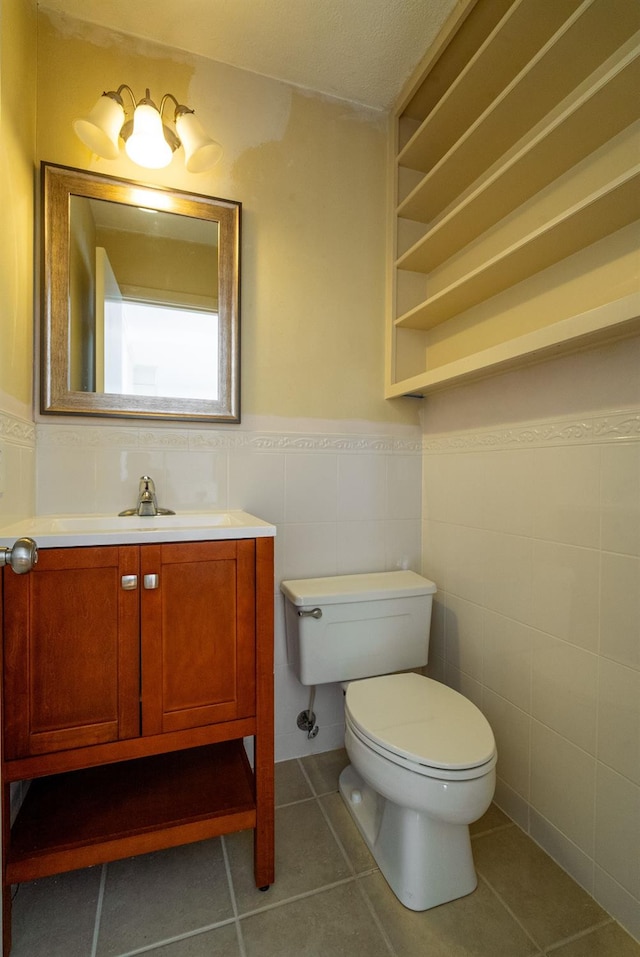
149, 139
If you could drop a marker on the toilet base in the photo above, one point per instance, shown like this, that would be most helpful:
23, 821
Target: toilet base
425, 861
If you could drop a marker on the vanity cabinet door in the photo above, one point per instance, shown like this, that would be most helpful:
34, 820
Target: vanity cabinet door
198, 634
71, 651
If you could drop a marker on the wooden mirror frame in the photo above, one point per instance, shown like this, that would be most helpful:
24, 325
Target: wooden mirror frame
59, 184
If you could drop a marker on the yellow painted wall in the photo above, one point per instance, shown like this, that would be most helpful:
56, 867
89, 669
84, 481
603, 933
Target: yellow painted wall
17, 149
310, 173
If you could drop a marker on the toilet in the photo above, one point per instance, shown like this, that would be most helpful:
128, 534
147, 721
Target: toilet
422, 755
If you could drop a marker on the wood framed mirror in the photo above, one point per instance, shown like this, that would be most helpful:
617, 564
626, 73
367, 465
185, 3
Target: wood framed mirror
140, 300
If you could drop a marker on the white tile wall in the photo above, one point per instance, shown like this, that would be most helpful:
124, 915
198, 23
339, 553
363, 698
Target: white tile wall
533, 535
342, 502
17, 468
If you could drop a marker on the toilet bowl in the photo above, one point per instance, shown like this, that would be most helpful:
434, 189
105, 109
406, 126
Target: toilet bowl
422, 756
422, 769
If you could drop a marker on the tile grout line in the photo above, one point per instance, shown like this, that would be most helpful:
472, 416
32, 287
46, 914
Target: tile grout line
232, 895
583, 933
330, 825
311, 797
370, 906
300, 897
361, 889
539, 947
99, 903
493, 830
177, 938
307, 779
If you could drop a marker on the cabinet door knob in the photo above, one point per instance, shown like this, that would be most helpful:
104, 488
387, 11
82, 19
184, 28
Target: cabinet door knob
151, 581
22, 557
129, 582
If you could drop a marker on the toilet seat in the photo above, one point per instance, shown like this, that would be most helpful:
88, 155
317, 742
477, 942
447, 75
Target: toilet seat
421, 724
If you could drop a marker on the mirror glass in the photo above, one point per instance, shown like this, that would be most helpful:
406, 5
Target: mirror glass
140, 300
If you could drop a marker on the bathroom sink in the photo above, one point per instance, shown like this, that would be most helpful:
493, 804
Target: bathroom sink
55, 531
146, 523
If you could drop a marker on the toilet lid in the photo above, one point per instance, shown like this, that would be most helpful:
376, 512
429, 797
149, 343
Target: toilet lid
421, 720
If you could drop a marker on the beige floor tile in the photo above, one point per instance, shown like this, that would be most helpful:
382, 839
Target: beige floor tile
473, 926
348, 834
153, 897
548, 903
336, 923
307, 858
221, 942
55, 916
609, 941
489, 821
291, 784
324, 769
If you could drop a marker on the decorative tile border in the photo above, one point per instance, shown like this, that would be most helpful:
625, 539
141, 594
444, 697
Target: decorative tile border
620, 426
623, 426
17, 431
130, 439
613, 427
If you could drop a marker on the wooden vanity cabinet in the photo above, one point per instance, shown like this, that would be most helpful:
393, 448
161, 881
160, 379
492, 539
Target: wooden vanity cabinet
131, 675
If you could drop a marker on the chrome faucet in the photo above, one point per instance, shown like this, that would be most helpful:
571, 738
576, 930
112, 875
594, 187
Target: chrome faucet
147, 501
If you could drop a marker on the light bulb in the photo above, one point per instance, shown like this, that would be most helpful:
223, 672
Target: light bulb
147, 146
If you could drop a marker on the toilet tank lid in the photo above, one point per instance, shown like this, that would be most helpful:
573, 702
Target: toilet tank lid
345, 588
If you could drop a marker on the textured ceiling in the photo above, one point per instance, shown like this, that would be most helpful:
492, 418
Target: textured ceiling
359, 50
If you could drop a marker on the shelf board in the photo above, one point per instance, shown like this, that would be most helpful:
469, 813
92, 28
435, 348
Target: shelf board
587, 38
601, 213
601, 111
468, 26
615, 320
526, 26
112, 811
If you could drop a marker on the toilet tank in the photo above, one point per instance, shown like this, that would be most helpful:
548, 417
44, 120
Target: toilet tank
355, 626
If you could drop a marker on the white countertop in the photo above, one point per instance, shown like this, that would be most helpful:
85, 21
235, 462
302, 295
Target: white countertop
66, 531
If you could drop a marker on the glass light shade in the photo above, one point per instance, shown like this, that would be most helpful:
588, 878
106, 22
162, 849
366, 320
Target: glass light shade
147, 146
101, 128
200, 151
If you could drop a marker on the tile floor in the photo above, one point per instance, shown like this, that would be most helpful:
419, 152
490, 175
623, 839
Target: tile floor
329, 900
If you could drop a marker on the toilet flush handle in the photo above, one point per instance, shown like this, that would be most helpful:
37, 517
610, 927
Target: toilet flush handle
310, 613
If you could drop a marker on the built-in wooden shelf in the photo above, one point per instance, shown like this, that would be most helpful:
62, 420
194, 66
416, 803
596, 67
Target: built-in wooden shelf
514, 111
112, 811
610, 208
597, 114
580, 46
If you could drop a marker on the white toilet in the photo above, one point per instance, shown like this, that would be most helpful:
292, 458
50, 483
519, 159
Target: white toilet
422, 756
